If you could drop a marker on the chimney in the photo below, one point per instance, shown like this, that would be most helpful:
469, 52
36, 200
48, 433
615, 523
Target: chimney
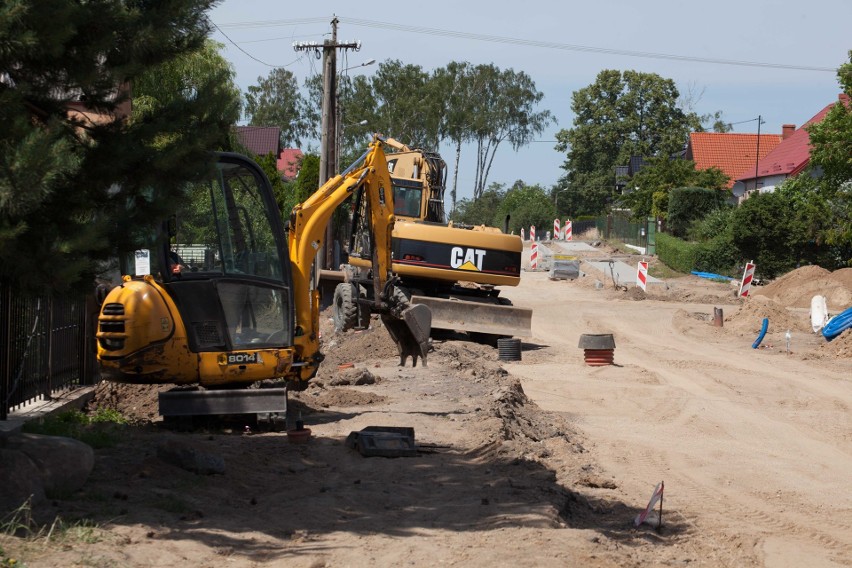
787, 130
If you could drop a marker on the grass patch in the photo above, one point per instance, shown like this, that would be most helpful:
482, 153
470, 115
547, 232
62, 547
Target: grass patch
662, 271
22, 536
101, 429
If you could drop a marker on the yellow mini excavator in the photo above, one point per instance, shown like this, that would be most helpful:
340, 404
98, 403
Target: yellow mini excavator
222, 297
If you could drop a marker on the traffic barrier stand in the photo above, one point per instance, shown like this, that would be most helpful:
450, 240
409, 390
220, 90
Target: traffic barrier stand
646, 514
748, 276
557, 231
568, 230
534, 256
642, 275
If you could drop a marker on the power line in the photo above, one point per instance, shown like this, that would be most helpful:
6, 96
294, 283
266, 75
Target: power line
249, 54
532, 43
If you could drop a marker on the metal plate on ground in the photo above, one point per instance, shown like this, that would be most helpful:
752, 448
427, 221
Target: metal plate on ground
383, 441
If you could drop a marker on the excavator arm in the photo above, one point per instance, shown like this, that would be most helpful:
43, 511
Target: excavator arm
409, 326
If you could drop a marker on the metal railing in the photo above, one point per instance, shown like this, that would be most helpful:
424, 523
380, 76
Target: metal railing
46, 346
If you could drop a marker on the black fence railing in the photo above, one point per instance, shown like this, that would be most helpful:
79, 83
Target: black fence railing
622, 227
46, 346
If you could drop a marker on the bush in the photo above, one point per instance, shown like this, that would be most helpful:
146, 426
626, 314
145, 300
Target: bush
687, 204
676, 253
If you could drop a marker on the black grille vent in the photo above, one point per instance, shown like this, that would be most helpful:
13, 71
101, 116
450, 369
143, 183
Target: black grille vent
113, 309
207, 333
112, 326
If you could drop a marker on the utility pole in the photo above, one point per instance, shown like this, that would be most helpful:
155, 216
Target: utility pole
328, 142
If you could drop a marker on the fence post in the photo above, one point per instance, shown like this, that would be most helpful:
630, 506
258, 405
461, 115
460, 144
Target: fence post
608, 226
5, 341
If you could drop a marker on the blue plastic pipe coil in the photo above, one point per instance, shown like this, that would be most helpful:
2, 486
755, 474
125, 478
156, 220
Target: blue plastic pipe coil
838, 324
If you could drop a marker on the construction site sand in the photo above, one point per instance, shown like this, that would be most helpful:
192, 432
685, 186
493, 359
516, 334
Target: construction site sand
541, 462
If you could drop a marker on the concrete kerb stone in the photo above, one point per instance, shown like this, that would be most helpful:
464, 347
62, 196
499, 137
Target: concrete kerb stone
73, 399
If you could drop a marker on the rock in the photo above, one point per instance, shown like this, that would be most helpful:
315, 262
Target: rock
64, 463
190, 457
20, 479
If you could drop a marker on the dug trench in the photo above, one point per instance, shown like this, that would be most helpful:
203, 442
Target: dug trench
489, 461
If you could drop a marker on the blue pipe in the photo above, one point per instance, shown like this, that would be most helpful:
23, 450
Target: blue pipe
838, 324
763, 329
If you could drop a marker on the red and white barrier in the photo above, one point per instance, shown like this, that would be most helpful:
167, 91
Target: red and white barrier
642, 275
656, 496
534, 256
568, 230
522, 235
748, 276
557, 231
532, 233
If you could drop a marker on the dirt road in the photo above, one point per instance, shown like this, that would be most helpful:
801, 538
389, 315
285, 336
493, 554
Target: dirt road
753, 444
542, 462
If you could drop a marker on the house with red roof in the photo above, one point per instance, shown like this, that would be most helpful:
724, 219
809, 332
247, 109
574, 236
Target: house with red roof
264, 140
788, 159
731, 152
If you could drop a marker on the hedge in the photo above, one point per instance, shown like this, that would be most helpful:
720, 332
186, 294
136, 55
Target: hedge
675, 253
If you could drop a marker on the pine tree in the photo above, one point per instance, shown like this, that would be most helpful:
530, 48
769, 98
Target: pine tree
77, 187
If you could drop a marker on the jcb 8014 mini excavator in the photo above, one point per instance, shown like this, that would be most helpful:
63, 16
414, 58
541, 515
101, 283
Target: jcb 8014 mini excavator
223, 297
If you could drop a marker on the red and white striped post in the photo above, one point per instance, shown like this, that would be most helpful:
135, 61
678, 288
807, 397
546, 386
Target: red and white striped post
532, 233
748, 276
642, 275
557, 232
534, 256
568, 230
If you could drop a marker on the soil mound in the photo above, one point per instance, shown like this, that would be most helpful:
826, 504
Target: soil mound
748, 318
796, 289
839, 348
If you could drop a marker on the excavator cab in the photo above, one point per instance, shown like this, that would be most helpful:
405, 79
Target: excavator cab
210, 301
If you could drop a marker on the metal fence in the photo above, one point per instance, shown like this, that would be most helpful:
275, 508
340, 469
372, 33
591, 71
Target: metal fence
46, 346
636, 232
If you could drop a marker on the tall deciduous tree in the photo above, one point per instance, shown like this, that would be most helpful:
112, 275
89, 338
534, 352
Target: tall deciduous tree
618, 116
456, 87
276, 101
74, 187
503, 111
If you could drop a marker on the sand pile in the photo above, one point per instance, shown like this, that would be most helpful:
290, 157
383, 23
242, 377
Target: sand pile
796, 289
838, 348
748, 318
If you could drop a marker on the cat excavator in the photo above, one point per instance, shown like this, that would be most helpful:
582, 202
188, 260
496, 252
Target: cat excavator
222, 298
455, 270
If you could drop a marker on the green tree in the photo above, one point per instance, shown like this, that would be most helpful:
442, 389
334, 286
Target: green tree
831, 138
527, 205
662, 174
405, 105
482, 211
75, 188
503, 111
456, 85
766, 229
276, 101
618, 116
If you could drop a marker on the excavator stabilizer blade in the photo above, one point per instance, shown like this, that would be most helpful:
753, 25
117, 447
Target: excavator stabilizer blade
478, 317
410, 333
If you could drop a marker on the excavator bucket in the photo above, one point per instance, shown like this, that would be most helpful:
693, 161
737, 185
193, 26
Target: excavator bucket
477, 317
410, 333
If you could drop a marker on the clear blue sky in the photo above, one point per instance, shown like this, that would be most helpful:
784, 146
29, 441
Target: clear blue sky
563, 45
